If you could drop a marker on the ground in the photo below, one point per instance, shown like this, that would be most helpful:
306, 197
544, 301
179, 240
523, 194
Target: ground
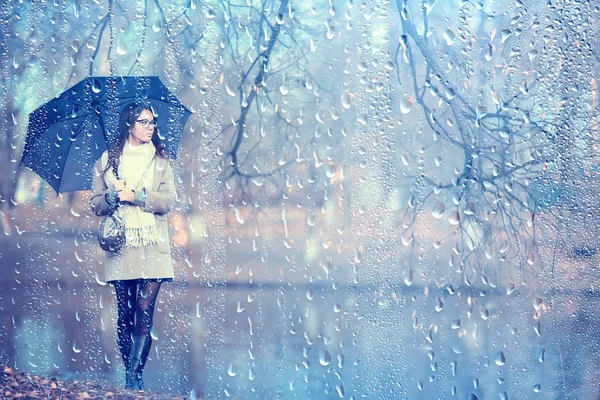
23, 385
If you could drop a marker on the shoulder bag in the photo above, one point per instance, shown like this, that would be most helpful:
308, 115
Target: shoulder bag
111, 234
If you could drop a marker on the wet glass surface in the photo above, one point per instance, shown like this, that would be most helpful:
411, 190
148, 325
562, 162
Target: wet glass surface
375, 199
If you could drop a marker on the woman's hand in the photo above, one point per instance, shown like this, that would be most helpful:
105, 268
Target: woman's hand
120, 185
124, 192
126, 195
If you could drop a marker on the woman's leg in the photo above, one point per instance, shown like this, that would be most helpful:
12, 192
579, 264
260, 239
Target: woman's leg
146, 300
126, 292
142, 340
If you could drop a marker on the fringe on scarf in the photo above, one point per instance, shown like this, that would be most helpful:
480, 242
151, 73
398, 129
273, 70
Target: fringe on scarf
139, 237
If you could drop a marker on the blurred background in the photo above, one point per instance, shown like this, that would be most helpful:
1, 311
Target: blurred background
376, 199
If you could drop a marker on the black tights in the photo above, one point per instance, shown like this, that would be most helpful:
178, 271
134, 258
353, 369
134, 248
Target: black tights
135, 306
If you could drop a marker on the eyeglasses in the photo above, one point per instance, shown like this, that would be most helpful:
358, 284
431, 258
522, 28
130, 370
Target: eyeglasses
146, 123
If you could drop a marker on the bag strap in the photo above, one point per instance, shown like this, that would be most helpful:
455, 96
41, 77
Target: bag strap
145, 172
114, 209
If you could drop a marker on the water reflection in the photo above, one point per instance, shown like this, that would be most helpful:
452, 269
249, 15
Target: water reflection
309, 341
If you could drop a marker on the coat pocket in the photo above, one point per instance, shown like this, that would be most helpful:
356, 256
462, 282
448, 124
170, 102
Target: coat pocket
164, 245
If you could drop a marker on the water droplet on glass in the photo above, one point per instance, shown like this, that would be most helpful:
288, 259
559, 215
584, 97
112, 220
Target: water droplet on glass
320, 117
406, 105
404, 158
16, 61
523, 87
76, 349
240, 308
532, 54
538, 328
439, 304
96, 86
510, 288
283, 88
238, 216
346, 101
489, 52
232, 370
324, 358
210, 13
453, 218
541, 355
406, 238
35, 36
485, 314
449, 37
505, 34
330, 170
230, 90
357, 256
500, 359
330, 30
438, 210
408, 279
122, 48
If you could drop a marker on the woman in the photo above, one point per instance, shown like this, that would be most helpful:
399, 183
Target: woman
135, 175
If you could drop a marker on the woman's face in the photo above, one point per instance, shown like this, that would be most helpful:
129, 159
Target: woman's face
142, 129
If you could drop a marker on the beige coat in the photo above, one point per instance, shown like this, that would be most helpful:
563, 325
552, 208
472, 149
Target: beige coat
149, 262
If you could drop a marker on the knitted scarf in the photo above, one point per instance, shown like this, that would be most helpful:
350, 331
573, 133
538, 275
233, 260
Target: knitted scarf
140, 225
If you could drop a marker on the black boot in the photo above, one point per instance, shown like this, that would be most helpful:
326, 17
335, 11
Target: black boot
124, 342
140, 348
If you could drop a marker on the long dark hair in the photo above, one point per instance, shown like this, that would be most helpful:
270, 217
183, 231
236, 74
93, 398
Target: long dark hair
128, 117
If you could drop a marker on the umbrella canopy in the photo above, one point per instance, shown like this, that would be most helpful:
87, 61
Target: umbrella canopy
68, 134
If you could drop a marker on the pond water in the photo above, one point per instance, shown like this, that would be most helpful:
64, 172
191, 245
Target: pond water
281, 340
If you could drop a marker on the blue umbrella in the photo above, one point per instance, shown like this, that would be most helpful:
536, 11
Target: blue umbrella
68, 134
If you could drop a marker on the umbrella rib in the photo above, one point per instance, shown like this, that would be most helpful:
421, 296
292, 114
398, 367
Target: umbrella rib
62, 171
79, 129
66, 117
